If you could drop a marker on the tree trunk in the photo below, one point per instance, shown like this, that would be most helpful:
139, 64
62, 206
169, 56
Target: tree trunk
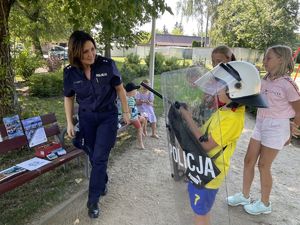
36, 43
107, 52
8, 97
206, 30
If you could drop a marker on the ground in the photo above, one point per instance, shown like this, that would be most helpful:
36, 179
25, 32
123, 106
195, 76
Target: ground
142, 192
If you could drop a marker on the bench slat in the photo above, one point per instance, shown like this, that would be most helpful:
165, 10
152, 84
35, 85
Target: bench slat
13, 144
48, 118
52, 130
18, 180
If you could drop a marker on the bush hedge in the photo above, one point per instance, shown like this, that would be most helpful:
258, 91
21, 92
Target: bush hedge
46, 84
26, 63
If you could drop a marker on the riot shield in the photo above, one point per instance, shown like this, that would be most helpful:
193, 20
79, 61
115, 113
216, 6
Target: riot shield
193, 167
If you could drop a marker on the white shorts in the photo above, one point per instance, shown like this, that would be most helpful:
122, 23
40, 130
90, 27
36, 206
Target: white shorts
272, 133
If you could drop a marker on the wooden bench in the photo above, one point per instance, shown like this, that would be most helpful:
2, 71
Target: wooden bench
52, 131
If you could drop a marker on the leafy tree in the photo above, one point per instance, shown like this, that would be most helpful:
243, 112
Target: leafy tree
178, 29
146, 39
8, 99
40, 20
200, 10
158, 31
115, 20
256, 24
165, 30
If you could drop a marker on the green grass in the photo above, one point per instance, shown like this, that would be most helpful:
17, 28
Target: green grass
22, 204
33, 106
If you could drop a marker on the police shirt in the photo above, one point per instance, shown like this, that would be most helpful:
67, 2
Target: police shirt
99, 92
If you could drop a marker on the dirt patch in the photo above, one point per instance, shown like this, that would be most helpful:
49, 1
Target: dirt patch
142, 192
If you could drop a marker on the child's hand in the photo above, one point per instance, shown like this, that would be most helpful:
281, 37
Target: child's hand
185, 113
149, 102
295, 131
181, 104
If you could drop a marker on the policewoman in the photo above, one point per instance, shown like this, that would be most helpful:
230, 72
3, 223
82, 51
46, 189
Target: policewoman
95, 83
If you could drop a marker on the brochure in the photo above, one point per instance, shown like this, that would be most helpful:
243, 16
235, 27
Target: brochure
10, 172
34, 131
13, 126
33, 164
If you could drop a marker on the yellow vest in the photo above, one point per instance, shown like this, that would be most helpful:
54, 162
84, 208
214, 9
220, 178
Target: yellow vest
225, 127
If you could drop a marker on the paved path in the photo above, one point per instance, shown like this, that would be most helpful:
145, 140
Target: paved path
142, 192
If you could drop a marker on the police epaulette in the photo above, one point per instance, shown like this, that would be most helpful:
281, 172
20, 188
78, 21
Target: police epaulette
68, 67
104, 59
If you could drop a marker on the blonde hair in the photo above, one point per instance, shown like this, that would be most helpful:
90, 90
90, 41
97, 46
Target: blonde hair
285, 53
147, 81
225, 50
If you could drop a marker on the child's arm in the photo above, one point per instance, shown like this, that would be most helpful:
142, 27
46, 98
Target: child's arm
139, 102
295, 124
138, 99
187, 116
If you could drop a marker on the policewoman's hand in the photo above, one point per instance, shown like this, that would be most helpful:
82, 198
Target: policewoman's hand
126, 117
70, 130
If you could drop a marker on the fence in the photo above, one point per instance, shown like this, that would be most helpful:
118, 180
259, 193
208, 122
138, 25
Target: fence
198, 55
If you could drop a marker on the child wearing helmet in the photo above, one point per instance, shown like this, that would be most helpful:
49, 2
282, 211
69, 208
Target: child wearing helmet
234, 84
272, 129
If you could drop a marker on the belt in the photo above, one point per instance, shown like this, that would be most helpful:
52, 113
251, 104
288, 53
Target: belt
106, 108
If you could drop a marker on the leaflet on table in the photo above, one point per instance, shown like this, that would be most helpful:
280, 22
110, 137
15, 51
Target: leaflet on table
10, 172
34, 131
13, 126
33, 164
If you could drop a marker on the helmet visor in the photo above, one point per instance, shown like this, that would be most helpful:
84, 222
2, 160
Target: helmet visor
215, 80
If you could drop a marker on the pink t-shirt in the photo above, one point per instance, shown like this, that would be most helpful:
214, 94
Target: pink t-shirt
279, 93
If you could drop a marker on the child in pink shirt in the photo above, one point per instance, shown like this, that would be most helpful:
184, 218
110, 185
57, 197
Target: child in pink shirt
272, 129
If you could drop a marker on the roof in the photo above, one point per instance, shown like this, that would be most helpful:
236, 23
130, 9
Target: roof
176, 40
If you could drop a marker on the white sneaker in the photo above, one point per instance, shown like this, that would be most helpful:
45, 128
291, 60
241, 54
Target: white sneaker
238, 199
258, 207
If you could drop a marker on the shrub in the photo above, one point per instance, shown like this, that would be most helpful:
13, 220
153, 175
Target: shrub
26, 63
46, 84
131, 71
132, 68
132, 59
171, 64
196, 44
158, 63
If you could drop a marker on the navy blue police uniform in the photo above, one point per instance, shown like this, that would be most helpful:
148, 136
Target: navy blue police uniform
98, 116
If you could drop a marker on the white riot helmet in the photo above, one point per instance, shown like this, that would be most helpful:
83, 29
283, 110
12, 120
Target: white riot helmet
241, 79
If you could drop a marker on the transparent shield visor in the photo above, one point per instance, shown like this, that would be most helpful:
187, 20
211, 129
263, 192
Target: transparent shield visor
192, 167
215, 81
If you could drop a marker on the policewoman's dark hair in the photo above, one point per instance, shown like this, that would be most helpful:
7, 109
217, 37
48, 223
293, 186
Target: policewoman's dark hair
225, 50
75, 47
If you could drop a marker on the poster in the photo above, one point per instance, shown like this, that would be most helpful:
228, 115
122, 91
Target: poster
34, 131
13, 126
10, 172
33, 164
